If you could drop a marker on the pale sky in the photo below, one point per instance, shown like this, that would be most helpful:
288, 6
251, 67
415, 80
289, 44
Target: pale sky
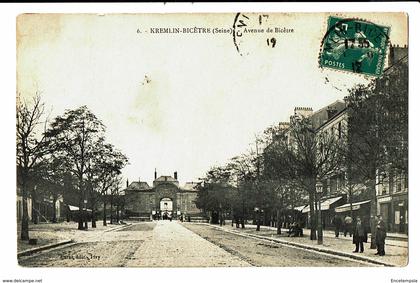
202, 103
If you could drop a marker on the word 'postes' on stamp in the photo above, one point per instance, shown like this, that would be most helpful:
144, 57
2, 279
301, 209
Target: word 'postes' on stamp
354, 45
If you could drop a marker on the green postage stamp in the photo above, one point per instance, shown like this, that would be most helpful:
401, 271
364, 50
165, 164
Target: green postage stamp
354, 45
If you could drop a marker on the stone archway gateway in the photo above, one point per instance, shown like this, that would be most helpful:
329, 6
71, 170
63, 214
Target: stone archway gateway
166, 207
146, 202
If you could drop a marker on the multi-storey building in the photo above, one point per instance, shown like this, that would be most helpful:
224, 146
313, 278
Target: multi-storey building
391, 185
392, 188
166, 198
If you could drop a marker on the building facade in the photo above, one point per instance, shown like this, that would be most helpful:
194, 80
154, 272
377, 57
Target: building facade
164, 199
392, 183
41, 210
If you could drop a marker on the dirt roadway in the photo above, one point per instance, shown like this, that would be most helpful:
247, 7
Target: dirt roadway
263, 253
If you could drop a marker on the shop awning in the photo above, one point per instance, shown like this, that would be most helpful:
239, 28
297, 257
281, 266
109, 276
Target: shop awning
299, 208
325, 204
346, 207
76, 208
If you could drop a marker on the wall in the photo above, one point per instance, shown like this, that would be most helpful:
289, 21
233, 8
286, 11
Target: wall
186, 203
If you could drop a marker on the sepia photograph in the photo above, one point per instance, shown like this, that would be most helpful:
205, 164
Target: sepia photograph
212, 140
207, 142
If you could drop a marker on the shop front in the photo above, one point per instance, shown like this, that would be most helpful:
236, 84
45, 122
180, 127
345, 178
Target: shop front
400, 214
357, 209
327, 210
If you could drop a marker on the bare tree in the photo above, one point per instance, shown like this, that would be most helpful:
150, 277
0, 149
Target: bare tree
106, 164
307, 157
52, 178
29, 149
286, 191
75, 135
244, 170
378, 131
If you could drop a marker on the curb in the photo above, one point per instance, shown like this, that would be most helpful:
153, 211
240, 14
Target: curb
396, 239
45, 247
65, 242
308, 247
118, 228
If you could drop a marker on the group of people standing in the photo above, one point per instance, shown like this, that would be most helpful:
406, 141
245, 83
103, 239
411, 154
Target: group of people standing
359, 232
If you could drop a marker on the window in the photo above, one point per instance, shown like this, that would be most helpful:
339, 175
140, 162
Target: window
341, 181
391, 181
325, 187
384, 191
339, 130
333, 185
399, 183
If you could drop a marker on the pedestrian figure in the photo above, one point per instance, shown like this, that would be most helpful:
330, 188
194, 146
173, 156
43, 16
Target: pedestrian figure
237, 221
292, 230
337, 224
359, 236
295, 230
348, 223
380, 236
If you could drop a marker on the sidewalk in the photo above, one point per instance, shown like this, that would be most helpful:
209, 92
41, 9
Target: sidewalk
51, 234
393, 239
396, 251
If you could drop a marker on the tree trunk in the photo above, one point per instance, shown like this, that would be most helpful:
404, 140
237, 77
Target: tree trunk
118, 213
104, 216
81, 215
93, 216
231, 216
351, 202
24, 232
278, 222
243, 215
81, 198
54, 218
312, 216
85, 227
258, 221
373, 213
111, 215
34, 215
85, 215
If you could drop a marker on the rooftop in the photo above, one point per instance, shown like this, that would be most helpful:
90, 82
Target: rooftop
138, 186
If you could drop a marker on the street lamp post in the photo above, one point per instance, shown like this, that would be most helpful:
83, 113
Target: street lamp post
319, 192
257, 212
85, 213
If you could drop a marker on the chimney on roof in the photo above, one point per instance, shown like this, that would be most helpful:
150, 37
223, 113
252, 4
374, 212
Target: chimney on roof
346, 101
155, 174
396, 52
284, 125
176, 175
303, 111
331, 112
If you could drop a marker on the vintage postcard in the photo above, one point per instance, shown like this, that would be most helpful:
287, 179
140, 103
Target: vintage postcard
212, 140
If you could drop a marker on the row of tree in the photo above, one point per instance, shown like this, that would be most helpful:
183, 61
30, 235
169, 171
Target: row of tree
68, 154
370, 143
